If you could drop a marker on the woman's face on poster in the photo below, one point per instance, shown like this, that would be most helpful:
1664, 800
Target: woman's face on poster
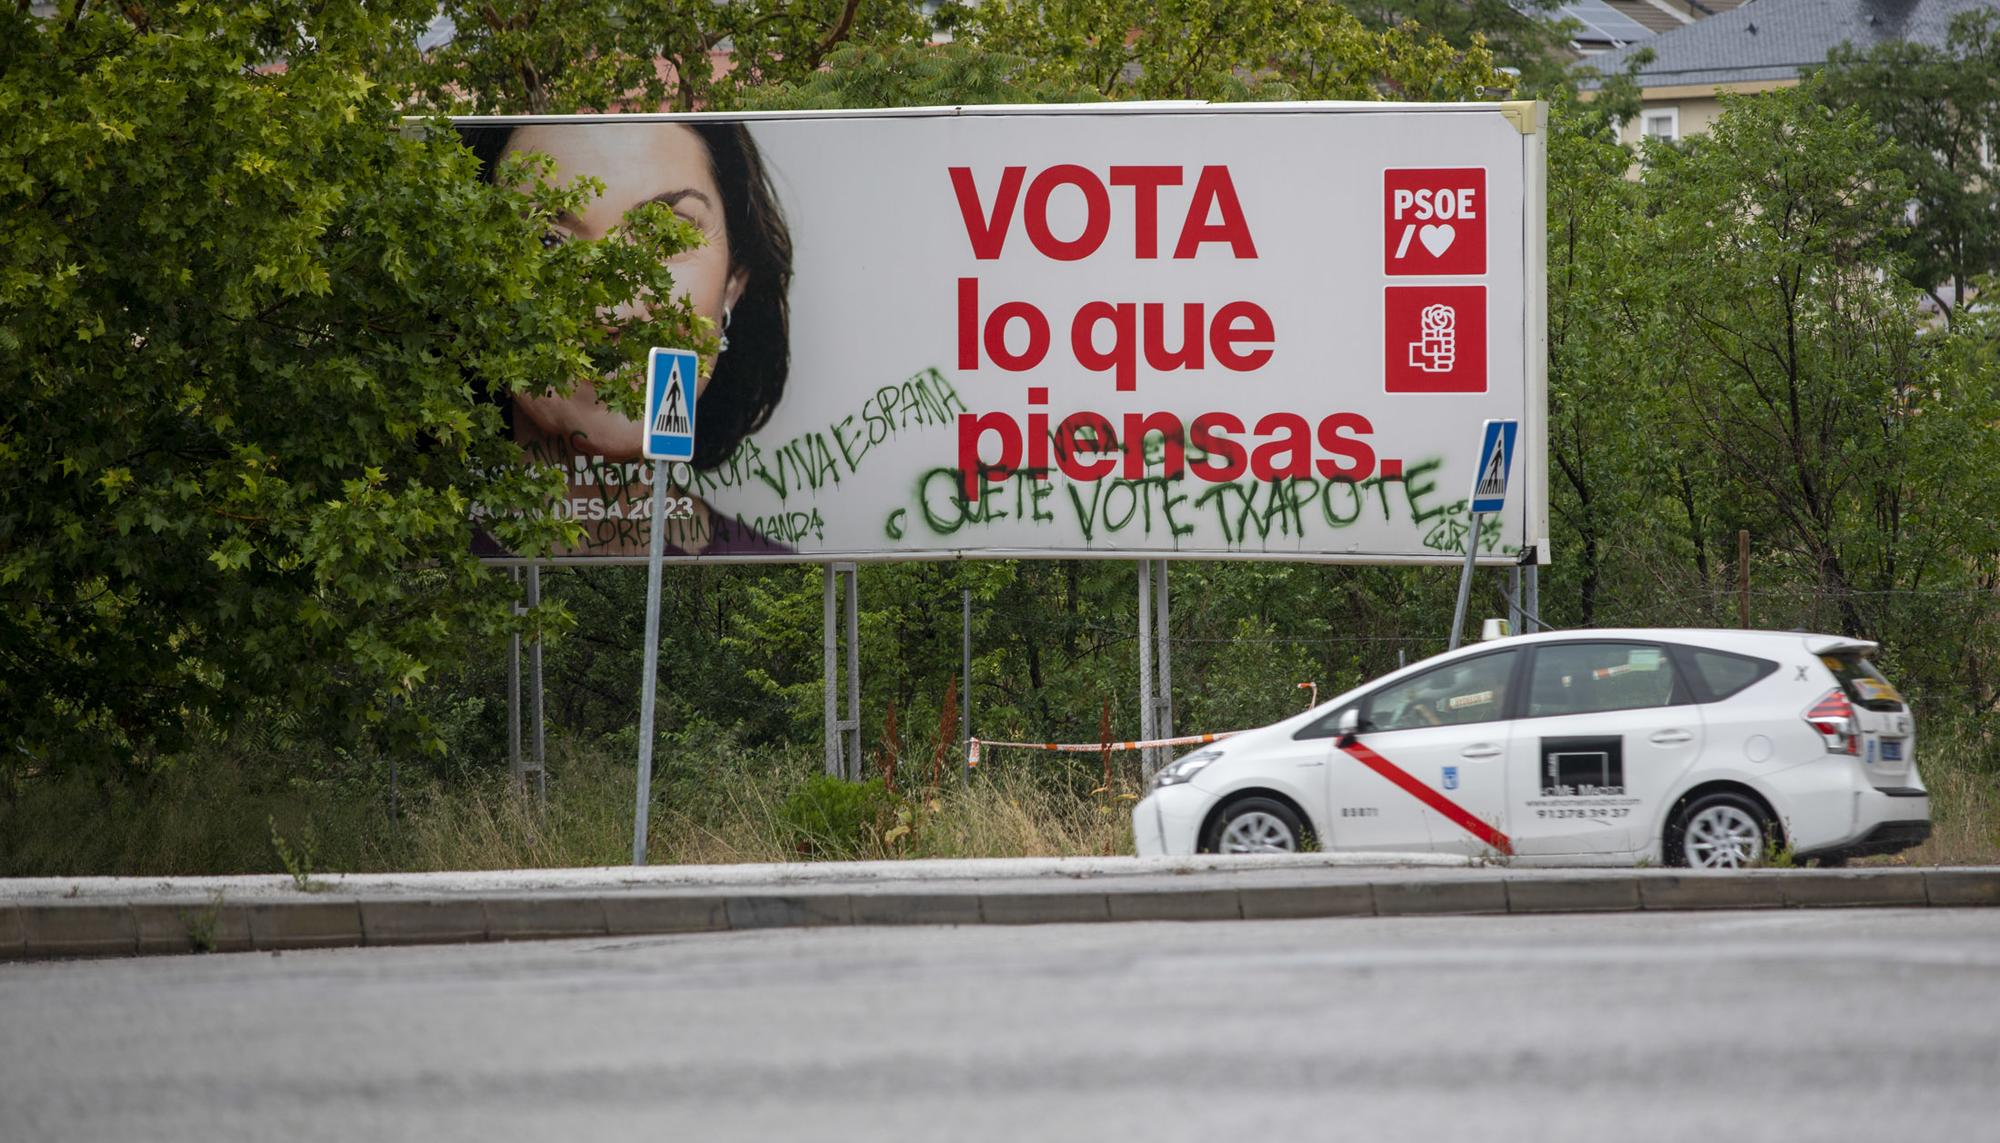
637, 163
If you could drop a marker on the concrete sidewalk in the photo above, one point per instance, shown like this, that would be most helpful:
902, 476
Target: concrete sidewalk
52, 917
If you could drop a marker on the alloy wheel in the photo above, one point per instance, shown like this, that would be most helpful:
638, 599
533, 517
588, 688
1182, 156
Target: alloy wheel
1723, 837
1257, 832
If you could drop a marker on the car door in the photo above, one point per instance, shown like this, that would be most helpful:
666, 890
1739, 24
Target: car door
1426, 770
1608, 728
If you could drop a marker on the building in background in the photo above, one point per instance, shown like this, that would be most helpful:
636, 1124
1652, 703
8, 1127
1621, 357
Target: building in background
1756, 46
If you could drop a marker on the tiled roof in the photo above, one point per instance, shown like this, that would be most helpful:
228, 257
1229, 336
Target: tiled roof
1778, 39
1652, 15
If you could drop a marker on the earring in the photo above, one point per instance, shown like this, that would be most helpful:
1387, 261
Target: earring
723, 346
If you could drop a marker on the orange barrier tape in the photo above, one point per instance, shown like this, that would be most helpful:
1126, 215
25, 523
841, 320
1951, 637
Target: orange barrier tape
972, 750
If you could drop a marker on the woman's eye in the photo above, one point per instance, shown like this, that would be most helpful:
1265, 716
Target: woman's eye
553, 238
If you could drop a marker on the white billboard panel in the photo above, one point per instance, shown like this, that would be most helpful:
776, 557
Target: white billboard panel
1260, 331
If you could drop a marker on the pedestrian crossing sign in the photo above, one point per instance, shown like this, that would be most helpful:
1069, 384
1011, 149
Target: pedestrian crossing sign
1496, 460
670, 395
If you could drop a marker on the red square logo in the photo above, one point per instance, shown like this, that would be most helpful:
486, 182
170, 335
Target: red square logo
1436, 339
1434, 220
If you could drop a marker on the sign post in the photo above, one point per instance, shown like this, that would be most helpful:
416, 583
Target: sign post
670, 396
1489, 494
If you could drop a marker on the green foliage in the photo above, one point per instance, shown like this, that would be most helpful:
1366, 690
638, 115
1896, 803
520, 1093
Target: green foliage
1526, 35
905, 74
1731, 347
296, 861
828, 817
249, 316
1940, 107
1207, 49
542, 57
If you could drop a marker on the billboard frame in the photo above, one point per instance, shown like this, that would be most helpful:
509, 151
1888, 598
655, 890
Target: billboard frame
1528, 117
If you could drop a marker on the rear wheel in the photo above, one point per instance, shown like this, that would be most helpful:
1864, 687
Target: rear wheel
1256, 825
1720, 831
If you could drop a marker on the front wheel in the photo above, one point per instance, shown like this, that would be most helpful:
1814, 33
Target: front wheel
1720, 831
1256, 825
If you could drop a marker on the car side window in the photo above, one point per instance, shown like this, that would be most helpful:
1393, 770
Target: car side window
1725, 673
1467, 691
1586, 678
1326, 726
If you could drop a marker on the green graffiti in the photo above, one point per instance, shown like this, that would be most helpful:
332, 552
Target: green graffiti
821, 458
1247, 511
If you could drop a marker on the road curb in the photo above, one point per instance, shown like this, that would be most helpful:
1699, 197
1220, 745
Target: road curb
56, 929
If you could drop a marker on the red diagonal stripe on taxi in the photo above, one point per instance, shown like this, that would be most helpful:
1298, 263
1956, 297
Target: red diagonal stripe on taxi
1430, 797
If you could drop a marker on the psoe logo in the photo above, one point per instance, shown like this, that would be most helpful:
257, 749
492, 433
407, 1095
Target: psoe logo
1434, 339
1434, 221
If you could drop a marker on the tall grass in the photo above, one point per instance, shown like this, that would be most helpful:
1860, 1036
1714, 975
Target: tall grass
716, 801
1959, 761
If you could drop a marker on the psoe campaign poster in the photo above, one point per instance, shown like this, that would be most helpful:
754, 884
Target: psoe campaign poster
1256, 331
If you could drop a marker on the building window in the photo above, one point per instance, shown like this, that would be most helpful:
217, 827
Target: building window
1662, 123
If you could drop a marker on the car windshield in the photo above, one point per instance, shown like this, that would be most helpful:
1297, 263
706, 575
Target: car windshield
1473, 690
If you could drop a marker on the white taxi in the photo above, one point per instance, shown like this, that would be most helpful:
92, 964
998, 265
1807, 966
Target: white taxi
1711, 749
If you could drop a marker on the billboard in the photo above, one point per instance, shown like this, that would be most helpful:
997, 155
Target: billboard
1186, 330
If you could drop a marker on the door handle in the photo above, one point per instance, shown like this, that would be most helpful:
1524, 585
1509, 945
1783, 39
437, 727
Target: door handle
1481, 750
1672, 737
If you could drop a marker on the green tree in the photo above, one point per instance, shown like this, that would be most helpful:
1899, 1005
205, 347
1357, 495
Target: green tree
551, 56
1795, 358
1206, 49
1599, 399
1940, 106
1526, 35
247, 316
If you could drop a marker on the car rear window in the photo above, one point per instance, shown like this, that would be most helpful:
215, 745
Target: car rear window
1725, 674
1862, 682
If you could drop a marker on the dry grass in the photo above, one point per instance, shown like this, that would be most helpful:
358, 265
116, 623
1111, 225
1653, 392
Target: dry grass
716, 802
1958, 763
1010, 814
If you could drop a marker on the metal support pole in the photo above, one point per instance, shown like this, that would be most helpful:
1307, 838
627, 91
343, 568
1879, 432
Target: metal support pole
1146, 760
1534, 600
965, 689
1464, 583
829, 652
537, 704
643, 805
852, 723
515, 767
1514, 600
1163, 722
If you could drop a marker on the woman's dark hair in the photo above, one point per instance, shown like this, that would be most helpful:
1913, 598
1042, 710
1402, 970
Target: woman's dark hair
749, 377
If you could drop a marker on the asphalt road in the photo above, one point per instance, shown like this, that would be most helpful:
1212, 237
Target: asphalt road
1792, 1025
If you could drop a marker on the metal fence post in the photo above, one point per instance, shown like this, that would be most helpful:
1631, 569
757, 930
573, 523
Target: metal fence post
1146, 760
829, 650
516, 769
538, 759
965, 690
1163, 723
852, 723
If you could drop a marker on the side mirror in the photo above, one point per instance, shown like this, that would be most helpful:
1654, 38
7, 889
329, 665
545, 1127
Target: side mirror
1350, 725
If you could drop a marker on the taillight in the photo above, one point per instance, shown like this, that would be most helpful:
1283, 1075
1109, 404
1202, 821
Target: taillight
1833, 717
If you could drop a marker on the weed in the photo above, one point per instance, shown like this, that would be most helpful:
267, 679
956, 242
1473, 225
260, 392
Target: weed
298, 863
1778, 855
201, 924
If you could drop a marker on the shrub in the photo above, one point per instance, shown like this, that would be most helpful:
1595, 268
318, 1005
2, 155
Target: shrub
829, 817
